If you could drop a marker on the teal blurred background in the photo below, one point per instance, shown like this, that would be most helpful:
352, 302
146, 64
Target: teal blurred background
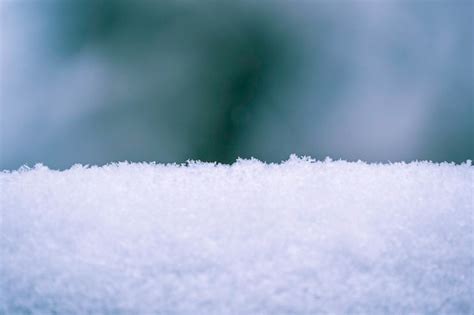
94, 82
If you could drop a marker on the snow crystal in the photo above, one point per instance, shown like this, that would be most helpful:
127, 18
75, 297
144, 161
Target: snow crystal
301, 237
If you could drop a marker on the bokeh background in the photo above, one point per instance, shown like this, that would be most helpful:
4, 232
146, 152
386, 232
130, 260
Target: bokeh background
94, 82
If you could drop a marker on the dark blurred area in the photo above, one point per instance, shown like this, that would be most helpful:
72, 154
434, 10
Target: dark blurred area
94, 82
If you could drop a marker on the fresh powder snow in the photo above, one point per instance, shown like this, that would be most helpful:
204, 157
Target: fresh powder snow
300, 237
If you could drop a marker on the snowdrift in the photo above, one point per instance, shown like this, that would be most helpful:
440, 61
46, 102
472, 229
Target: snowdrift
301, 237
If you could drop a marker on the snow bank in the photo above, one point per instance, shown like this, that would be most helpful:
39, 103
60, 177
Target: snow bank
302, 237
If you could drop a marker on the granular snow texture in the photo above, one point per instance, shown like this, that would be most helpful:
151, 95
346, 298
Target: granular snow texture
301, 237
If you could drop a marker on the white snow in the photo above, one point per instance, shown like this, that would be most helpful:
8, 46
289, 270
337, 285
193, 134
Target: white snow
301, 237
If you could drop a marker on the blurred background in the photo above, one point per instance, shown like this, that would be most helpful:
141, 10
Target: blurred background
96, 81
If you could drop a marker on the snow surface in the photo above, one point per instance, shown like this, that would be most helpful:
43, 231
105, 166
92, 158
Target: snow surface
301, 237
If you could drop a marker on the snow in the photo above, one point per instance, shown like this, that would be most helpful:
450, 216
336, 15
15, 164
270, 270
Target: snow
300, 237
